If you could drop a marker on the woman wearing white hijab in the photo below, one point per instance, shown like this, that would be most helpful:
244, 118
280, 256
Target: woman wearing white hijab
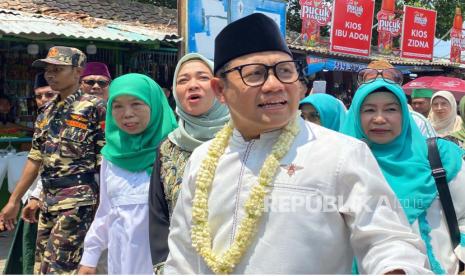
443, 115
200, 117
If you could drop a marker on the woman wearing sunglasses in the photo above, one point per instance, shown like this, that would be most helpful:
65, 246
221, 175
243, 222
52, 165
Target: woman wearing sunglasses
95, 80
380, 116
386, 71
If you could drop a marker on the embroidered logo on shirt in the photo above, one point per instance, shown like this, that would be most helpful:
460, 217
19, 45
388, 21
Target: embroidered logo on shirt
291, 168
76, 124
53, 52
79, 118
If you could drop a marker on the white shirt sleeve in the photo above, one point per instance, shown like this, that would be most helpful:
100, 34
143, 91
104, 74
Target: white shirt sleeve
381, 236
457, 191
37, 190
182, 258
97, 237
424, 125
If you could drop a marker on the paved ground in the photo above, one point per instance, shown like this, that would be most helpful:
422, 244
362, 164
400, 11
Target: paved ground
5, 240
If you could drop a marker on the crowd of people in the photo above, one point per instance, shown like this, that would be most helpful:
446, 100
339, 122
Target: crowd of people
247, 175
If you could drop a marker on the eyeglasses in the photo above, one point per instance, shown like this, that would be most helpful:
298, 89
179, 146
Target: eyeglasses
390, 75
256, 74
101, 83
47, 95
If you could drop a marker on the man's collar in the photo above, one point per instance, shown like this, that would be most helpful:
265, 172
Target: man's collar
70, 99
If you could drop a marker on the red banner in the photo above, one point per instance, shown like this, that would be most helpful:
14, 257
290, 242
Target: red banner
457, 38
317, 11
314, 14
352, 26
388, 27
457, 45
418, 33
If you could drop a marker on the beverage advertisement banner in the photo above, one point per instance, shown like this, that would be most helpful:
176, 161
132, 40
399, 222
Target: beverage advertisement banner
388, 27
314, 14
352, 26
419, 27
457, 40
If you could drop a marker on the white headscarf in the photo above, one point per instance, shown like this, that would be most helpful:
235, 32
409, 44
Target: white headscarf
194, 130
449, 124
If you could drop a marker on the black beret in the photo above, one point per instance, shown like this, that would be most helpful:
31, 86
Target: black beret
251, 34
40, 81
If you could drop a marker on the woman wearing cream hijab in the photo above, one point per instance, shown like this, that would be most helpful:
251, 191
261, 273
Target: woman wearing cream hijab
443, 115
200, 117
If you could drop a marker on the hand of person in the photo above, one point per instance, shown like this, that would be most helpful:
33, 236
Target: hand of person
29, 212
8, 216
87, 270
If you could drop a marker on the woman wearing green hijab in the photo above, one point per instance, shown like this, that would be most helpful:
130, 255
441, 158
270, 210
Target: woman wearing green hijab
323, 109
201, 116
138, 119
379, 115
460, 134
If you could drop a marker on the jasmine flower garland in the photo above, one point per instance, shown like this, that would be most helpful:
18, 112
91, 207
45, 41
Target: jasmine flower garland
254, 206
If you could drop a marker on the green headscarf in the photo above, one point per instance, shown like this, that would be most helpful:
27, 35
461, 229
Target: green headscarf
137, 152
332, 111
194, 130
404, 161
461, 133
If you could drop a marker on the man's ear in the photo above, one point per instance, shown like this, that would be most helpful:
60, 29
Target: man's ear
79, 71
218, 86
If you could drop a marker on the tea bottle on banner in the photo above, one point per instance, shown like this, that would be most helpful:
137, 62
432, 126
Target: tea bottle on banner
456, 37
385, 39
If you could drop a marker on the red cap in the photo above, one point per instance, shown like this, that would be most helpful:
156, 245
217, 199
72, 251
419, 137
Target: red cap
96, 68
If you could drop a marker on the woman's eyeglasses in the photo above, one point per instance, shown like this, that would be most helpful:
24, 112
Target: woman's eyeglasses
390, 75
101, 83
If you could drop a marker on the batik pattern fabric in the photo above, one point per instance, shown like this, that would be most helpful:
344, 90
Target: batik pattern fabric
173, 161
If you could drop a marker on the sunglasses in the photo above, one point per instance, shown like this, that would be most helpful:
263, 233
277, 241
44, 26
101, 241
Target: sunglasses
101, 83
47, 95
390, 75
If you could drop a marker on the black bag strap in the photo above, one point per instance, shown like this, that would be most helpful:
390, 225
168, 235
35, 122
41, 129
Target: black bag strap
439, 175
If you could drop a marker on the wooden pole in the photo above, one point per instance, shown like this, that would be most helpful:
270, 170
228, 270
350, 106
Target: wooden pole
182, 26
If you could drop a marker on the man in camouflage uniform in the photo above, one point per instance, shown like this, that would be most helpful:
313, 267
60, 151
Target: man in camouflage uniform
67, 142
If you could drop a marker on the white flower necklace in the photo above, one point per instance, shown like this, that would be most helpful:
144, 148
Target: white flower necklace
254, 206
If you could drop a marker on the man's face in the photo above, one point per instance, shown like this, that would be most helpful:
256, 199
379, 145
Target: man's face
96, 85
61, 77
421, 105
44, 95
256, 110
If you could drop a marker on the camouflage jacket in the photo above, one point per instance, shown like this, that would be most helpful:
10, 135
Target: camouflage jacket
67, 140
